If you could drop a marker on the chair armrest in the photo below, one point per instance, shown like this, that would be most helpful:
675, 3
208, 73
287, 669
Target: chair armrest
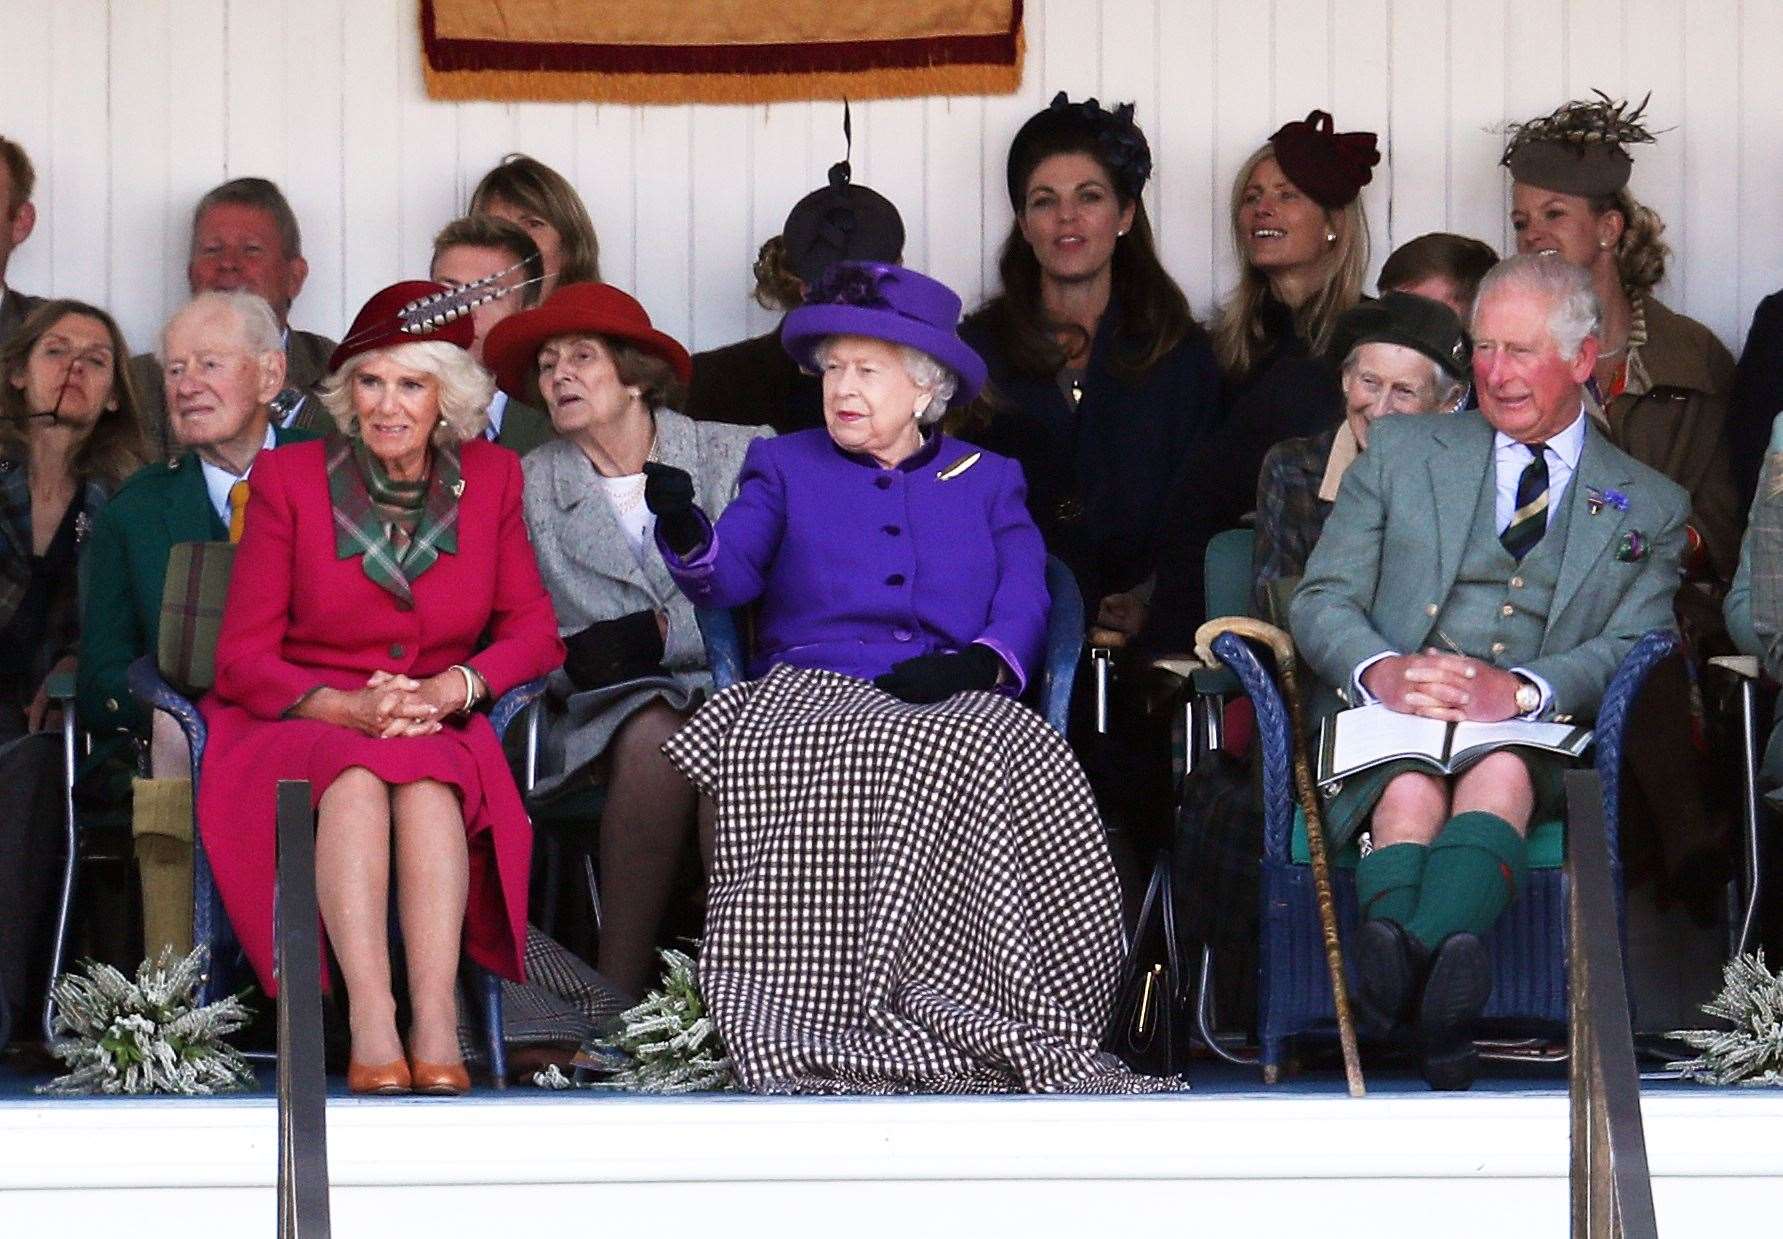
1612, 718
724, 646
149, 687
509, 705
1275, 734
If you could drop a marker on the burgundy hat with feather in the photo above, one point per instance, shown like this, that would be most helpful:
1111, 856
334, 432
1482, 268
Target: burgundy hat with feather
1330, 168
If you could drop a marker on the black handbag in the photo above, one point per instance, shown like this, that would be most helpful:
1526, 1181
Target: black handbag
1150, 1031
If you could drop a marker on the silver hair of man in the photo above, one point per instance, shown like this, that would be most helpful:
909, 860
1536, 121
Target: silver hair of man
924, 371
464, 388
259, 326
1573, 309
1444, 390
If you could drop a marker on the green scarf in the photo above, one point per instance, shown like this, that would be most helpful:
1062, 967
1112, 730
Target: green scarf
363, 496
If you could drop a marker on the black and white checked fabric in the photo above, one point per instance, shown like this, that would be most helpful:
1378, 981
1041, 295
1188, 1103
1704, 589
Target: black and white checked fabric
903, 898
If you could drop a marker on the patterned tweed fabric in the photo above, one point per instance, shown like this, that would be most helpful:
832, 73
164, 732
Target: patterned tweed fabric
904, 898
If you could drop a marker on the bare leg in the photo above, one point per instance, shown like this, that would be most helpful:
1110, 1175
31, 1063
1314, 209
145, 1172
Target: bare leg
1498, 784
432, 884
1412, 809
643, 833
353, 890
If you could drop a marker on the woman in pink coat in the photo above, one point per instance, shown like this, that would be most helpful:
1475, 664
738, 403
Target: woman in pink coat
383, 588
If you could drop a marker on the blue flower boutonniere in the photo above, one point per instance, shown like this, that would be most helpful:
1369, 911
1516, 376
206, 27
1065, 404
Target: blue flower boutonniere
1596, 500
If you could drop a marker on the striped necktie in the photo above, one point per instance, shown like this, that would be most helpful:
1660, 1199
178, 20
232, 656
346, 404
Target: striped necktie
238, 509
1530, 520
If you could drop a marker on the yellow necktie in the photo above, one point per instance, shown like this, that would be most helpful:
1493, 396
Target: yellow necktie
238, 509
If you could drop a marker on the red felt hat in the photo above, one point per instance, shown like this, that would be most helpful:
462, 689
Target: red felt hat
511, 350
1330, 168
382, 323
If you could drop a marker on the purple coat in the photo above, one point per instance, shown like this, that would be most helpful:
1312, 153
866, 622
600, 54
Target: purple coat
858, 567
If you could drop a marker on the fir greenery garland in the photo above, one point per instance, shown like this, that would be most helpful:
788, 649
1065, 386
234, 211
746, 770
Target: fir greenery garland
668, 1042
1749, 1053
148, 1035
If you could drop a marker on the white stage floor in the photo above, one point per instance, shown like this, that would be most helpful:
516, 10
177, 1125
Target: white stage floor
1231, 1159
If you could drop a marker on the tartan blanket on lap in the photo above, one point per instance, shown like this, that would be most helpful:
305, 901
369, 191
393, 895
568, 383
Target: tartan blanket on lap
904, 898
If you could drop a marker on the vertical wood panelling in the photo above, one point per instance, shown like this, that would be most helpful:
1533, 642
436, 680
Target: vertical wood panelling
76, 191
1362, 98
1760, 255
139, 164
1710, 130
1477, 186
132, 108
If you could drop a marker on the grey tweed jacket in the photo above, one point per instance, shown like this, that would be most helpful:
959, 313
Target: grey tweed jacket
592, 575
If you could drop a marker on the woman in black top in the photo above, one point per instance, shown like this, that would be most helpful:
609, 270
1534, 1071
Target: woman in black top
1299, 226
1100, 377
68, 436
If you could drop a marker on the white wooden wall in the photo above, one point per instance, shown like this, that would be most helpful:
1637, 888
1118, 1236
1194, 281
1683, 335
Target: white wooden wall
133, 108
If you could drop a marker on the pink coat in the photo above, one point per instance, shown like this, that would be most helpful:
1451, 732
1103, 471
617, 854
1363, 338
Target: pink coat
297, 617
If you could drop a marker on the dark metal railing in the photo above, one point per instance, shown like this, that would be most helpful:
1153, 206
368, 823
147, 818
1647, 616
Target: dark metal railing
303, 1087
1612, 1195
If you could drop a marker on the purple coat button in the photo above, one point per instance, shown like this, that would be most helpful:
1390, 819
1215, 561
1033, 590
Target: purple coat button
883, 482
901, 634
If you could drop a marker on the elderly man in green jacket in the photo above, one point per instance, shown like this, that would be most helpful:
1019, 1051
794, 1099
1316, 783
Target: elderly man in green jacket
222, 362
1480, 567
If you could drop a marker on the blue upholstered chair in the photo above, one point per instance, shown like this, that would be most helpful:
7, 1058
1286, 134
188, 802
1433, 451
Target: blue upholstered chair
1049, 695
210, 923
1528, 944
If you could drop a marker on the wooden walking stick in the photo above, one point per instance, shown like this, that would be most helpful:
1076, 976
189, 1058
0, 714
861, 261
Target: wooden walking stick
1282, 646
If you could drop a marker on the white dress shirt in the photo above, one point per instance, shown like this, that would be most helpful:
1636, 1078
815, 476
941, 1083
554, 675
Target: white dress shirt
218, 480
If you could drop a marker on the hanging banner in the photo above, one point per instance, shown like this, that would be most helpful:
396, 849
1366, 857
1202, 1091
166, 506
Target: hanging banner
718, 51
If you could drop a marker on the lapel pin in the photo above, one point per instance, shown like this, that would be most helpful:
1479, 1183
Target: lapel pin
1596, 500
958, 467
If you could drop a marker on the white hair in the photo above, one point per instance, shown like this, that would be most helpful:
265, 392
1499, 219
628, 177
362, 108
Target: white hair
465, 388
927, 373
258, 325
1573, 309
1444, 388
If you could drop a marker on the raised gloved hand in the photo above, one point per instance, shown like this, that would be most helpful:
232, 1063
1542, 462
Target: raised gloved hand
936, 677
668, 492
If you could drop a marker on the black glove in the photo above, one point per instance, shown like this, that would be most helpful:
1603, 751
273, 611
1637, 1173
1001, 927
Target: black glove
668, 492
936, 677
611, 651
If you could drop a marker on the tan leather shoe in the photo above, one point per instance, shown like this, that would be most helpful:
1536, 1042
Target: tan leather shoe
440, 1079
386, 1080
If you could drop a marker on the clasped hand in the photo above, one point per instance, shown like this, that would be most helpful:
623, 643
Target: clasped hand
392, 706
1439, 685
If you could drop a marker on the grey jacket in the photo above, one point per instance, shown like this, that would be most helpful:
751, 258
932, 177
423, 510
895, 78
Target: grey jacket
592, 575
1390, 552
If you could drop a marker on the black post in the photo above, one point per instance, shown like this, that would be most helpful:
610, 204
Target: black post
303, 1086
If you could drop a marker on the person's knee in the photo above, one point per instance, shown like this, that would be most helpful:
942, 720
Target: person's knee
644, 733
1411, 809
1499, 783
357, 787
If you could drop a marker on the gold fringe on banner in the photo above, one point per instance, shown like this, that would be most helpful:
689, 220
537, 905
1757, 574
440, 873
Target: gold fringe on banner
656, 88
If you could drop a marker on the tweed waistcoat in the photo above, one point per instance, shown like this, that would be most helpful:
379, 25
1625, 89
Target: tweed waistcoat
1498, 608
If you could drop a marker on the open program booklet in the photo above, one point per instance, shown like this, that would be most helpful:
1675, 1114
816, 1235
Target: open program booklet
1355, 740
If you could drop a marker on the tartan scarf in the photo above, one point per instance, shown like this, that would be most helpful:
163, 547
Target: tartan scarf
362, 495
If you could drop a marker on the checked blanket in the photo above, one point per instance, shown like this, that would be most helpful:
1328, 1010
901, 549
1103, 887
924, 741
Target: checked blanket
903, 898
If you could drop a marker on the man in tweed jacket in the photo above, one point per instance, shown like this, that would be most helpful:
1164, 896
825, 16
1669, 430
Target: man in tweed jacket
1534, 554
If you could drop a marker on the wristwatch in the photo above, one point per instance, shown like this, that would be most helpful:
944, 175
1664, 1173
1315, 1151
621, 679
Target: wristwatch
1529, 697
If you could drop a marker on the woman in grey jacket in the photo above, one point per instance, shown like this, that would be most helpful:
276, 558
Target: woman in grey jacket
636, 665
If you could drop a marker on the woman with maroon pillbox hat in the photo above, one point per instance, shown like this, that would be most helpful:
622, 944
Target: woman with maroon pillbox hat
382, 589
910, 889
636, 666
1302, 238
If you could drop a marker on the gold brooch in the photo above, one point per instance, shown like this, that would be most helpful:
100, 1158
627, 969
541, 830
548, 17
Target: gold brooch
958, 467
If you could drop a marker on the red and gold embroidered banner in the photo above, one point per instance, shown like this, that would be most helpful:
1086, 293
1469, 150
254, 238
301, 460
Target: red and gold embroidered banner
718, 51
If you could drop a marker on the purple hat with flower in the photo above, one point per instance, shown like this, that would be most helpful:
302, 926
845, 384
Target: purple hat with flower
884, 302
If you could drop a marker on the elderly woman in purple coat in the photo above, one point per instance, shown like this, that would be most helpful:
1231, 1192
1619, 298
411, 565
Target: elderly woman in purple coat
909, 888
